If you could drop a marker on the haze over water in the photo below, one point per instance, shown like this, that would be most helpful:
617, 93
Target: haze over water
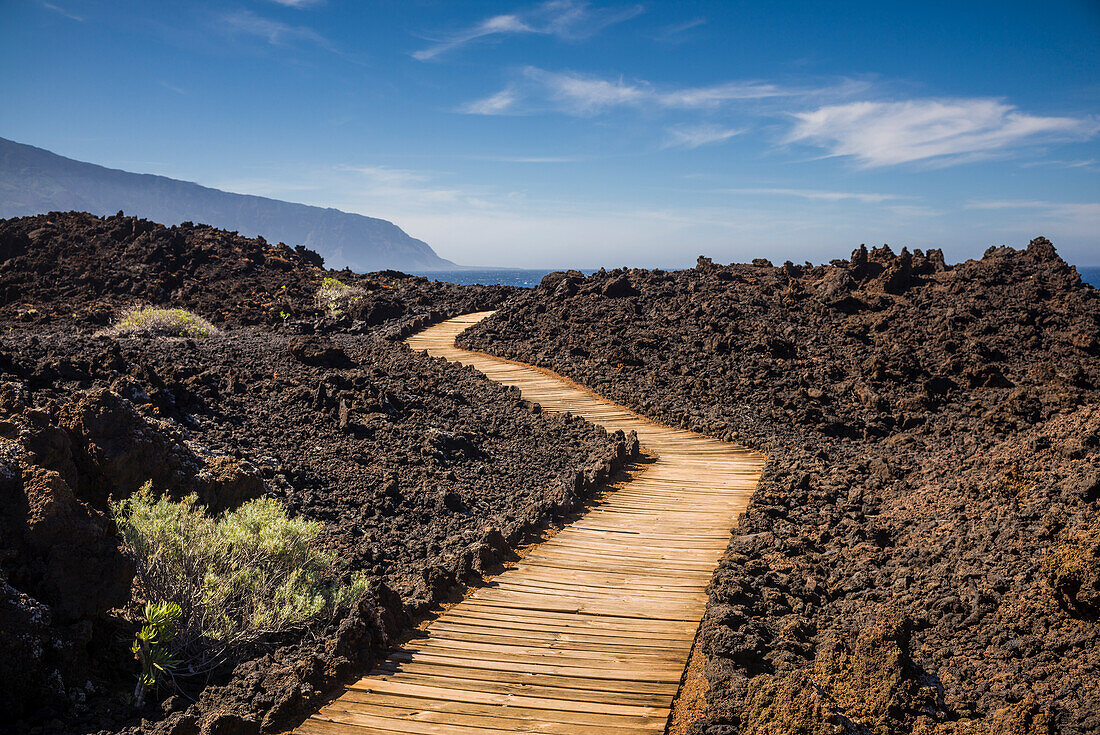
529, 278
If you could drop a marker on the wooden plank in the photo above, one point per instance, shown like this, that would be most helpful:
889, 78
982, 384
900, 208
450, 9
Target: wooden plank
568, 626
590, 631
608, 611
535, 696
634, 657
522, 664
559, 688
414, 705
638, 626
501, 718
445, 631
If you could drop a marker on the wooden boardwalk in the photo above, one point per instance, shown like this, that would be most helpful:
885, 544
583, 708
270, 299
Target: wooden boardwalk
591, 631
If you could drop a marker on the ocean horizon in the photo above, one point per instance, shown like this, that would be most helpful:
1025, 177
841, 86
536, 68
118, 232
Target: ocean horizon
524, 277
530, 277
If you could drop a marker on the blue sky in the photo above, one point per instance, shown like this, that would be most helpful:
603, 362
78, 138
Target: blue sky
566, 133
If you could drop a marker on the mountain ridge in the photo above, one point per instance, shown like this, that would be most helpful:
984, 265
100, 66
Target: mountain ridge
34, 180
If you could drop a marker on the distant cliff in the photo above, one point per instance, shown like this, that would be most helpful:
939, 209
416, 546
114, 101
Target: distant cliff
33, 181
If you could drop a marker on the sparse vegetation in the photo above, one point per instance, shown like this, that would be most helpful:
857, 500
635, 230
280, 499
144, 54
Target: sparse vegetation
153, 322
252, 571
335, 296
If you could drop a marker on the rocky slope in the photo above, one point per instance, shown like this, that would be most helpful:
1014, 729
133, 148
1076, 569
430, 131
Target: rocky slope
922, 553
33, 180
424, 474
75, 266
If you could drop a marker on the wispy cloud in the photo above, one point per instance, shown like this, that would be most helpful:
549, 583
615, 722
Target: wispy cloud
61, 11
717, 94
583, 94
916, 210
274, 32
298, 3
694, 136
676, 33
565, 19
497, 25
375, 190
944, 131
1056, 219
531, 159
1093, 164
822, 195
497, 104
279, 187
172, 87
1059, 209
410, 188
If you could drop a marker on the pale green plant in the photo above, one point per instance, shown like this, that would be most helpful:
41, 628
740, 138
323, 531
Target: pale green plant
335, 296
251, 572
153, 322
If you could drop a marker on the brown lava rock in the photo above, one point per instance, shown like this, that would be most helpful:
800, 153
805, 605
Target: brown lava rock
317, 351
933, 434
74, 267
1072, 568
424, 474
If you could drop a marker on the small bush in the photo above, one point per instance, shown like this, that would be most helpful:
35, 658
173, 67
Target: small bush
335, 296
154, 322
151, 646
251, 572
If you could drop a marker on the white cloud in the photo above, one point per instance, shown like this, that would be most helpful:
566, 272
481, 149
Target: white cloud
579, 93
274, 32
496, 25
820, 195
674, 33
172, 87
1086, 163
298, 3
565, 19
496, 104
945, 131
717, 94
61, 11
582, 94
693, 136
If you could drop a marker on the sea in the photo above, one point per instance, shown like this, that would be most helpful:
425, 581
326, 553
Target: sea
525, 277
529, 278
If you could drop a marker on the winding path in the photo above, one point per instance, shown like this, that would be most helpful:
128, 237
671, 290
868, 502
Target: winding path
590, 632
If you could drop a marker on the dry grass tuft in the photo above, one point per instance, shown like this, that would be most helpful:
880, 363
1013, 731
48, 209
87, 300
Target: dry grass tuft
152, 322
335, 296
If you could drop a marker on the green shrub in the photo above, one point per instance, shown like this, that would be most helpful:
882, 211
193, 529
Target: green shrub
151, 646
335, 296
250, 572
154, 322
